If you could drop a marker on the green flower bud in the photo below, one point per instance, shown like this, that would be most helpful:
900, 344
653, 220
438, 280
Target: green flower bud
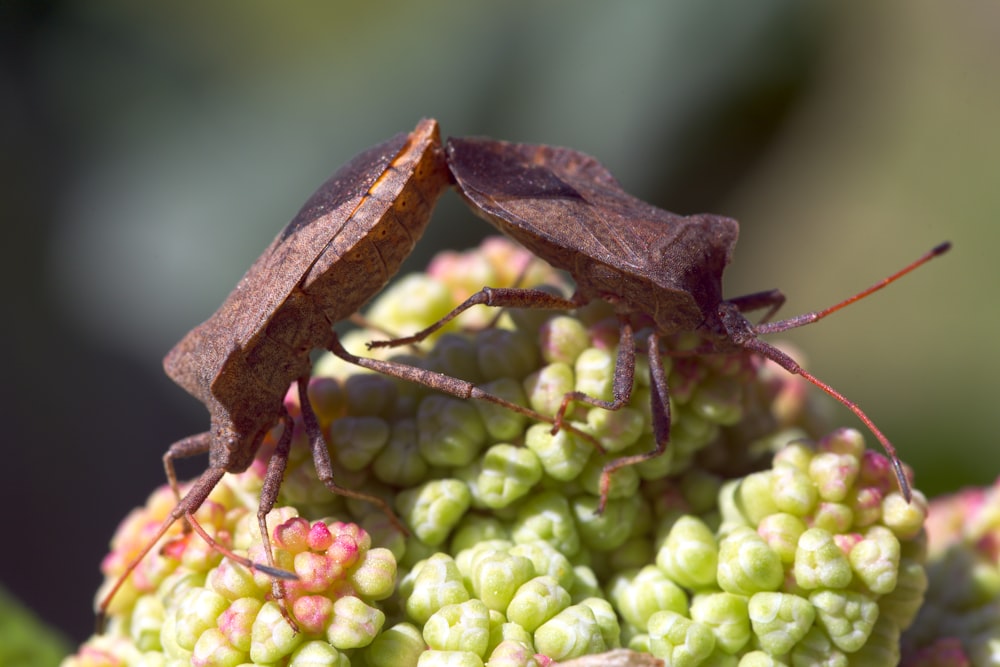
147, 622
212, 648
648, 591
572, 632
903, 602
726, 616
616, 430
607, 531
459, 627
547, 561
760, 659
474, 529
512, 653
547, 386
505, 354
678, 640
434, 508
400, 463
815, 648
272, 638
536, 601
503, 631
718, 400
585, 584
195, 613
747, 565
835, 518
435, 658
358, 440
594, 371
782, 532
437, 583
368, 394
547, 517
847, 617
563, 339
834, 474
496, 577
355, 624
450, 431
882, 646
780, 620
689, 555
903, 518
819, 562
502, 424
793, 491
411, 303
562, 455
455, 355
507, 474
875, 560
398, 646
318, 654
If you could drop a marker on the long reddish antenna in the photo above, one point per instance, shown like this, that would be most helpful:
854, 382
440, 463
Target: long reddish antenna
750, 342
808, 318
160, 532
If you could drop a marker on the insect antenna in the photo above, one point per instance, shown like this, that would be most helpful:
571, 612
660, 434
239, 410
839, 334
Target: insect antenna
212, 543
774, 354
808, 318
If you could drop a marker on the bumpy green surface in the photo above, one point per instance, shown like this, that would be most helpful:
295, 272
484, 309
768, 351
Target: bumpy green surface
742, 545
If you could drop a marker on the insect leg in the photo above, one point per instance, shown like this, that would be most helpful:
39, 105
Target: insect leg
268, 496
660, 409
186, 506
771, 299
496, 297
623, 379
192, 445
321, 459
448, 385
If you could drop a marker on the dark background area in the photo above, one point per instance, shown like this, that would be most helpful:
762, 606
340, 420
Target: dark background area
148, 153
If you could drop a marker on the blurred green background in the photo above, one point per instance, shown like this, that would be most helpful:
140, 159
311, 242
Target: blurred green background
151, 151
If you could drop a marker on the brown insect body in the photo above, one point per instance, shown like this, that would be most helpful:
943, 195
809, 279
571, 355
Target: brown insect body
616, 246
346, 242
566, 208
241, 360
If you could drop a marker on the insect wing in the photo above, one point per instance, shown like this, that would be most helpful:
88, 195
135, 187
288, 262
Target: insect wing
555, 199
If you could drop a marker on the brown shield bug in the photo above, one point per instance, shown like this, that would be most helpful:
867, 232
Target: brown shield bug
567, 209
345, 243
342, 247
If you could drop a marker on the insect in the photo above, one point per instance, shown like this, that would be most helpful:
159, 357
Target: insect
342, 247
567, 209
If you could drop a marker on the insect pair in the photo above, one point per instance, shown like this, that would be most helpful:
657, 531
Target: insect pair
350, 238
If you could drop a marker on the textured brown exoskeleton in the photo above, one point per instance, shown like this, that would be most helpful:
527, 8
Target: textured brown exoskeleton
567, 209
346, 242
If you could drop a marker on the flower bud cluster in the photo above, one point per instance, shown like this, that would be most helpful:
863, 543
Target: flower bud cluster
816, 559
959, 624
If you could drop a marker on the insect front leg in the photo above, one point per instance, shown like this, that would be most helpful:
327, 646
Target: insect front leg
772, 299
192, 445
495, 297
268, 497
321, 459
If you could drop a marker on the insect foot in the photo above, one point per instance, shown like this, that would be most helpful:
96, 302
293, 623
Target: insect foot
743, 538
